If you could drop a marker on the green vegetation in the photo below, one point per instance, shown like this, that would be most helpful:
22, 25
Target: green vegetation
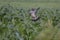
29, 0
16, 23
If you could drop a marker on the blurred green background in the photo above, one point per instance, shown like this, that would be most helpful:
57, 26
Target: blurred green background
16, 23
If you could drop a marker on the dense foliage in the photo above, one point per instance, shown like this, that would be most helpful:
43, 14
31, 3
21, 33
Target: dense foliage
16, 23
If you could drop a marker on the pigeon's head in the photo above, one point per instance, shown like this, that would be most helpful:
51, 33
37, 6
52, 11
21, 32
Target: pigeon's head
33, 9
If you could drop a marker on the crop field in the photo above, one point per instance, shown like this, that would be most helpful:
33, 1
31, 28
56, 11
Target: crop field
33, 4
16, 23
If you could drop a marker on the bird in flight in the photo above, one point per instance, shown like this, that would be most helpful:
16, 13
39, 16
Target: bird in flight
33, 12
